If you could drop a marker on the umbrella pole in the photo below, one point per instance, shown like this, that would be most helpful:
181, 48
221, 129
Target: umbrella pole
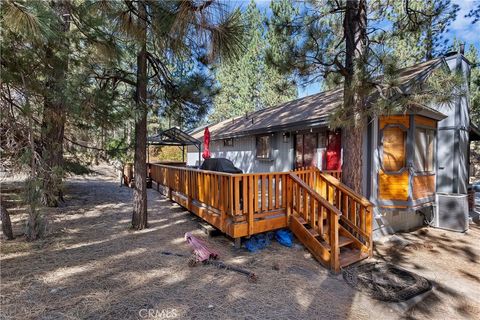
148, 153
199, 147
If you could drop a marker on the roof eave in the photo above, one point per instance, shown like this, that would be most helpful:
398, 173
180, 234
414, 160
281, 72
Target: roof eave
315, 123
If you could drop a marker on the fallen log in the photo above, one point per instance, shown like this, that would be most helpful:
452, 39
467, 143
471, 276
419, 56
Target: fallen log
251, 276
219, 264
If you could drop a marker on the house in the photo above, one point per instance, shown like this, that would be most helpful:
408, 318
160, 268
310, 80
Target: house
408, 157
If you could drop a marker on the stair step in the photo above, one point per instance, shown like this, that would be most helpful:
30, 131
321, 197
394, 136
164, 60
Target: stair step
344, 241
301, 220
324, 243
351, 256
313, 232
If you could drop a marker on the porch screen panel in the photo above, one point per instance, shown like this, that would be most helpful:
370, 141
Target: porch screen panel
424, 140
299, 150
310, 150
263, 144
394, 147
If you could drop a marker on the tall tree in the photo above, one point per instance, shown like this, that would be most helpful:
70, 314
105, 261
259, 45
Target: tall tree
139, 217
53, 119
49, 71
344, 42
354, 98
419, 28
165, 31
474, 13
473, 56
249, 83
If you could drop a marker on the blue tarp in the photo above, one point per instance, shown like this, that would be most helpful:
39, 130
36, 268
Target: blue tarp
261, 241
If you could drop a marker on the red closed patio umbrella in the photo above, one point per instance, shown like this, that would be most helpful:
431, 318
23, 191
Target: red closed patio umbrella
206, 144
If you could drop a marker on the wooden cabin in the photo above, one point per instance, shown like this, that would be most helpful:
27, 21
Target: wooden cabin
292, 165
402, 169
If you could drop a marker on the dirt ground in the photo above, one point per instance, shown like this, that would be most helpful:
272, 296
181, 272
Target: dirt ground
91, 266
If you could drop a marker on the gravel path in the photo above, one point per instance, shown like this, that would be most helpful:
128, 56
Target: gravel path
91, 266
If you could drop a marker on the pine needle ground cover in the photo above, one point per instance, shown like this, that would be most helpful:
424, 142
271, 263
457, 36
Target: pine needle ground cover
92, 266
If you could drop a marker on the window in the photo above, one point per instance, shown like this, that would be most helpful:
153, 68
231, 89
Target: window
322, 139
263, 147
394, 147
424, 139
228, 142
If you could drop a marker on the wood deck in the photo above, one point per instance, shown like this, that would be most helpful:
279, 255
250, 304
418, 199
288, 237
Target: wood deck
324, 214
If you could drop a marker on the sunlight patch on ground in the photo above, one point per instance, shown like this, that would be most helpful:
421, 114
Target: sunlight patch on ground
150, 221
178, 240
64, 273
303, 297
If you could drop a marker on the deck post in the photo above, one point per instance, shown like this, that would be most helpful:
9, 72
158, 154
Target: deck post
238, 243
369, 218
334, 249
288, 187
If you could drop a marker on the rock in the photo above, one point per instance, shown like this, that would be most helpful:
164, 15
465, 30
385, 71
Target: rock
307, 256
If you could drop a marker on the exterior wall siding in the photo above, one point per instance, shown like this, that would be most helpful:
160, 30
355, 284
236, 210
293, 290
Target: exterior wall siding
391, 221
453, 138
243, 154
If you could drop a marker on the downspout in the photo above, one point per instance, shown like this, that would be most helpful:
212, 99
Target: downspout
469, 74
456, 134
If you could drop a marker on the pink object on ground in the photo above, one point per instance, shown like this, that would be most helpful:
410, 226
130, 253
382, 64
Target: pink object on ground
200, 249
206, 144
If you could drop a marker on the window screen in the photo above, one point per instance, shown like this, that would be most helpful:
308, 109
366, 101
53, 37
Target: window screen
263, 147
228, 142
394, 144
424, 139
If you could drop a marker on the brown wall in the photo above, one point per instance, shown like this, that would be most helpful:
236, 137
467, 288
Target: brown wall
423, 186
393, 186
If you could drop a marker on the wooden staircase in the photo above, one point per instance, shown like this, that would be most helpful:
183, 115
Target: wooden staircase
332, 221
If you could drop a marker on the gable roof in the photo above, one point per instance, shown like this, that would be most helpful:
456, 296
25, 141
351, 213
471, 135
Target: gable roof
306, 112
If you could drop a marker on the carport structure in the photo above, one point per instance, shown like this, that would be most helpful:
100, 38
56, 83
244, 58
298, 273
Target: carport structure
174, 137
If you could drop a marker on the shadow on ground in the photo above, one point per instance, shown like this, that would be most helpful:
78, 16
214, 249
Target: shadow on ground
92, 266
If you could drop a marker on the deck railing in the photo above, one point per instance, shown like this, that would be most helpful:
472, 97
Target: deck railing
320, 215
227, 198
356, 210
245, 204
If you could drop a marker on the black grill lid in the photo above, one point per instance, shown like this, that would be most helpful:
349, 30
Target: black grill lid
220, 165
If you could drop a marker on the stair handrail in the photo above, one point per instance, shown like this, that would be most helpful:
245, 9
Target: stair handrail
314, 194
361, 200
333, 220
344, 188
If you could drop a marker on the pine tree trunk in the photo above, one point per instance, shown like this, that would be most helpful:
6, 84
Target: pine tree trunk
139, 217
6, 222
53, 121
355, 31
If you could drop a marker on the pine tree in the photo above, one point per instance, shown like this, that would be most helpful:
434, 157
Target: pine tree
341, 40
473, 56
166, 31
54, 110
419, 29
249, 83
